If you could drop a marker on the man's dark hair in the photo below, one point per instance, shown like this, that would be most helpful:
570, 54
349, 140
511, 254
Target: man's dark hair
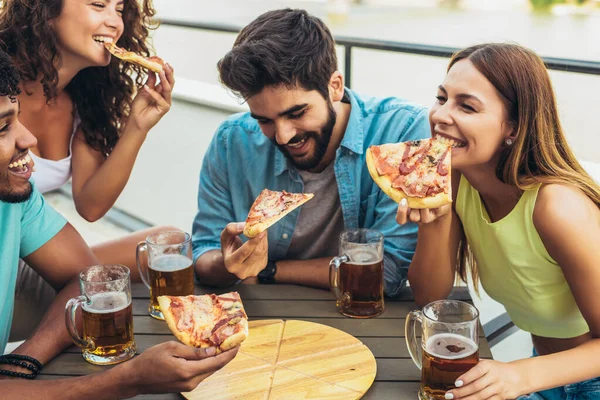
281, 47
9, 77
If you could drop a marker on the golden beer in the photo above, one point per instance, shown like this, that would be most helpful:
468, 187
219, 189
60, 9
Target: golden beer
169, 274
361, 283
446, 356
108, 324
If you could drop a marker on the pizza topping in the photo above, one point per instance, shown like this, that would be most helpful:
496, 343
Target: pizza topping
269, 207
207, 320
418, 168
441, 167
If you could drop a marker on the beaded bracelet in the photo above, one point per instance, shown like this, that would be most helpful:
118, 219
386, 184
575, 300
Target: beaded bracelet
27, 362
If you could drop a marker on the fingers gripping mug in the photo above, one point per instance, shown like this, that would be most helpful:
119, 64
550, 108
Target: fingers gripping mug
449, 344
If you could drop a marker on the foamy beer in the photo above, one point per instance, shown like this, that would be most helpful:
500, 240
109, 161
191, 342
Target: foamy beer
356, 275
107, 315
449, 346
170, 270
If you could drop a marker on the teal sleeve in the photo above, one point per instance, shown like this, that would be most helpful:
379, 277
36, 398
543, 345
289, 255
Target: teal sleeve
39, 224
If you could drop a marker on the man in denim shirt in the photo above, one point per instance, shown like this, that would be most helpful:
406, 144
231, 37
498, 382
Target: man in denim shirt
305, 132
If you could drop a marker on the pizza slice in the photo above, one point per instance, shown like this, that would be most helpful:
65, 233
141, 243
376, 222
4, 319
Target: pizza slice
207, 320
418, 171
153, 63
269, 207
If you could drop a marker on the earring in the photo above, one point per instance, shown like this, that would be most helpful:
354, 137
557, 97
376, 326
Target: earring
508, 141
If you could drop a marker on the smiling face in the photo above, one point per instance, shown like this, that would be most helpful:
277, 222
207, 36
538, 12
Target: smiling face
15, 163
471, 113
298, 121
83, 25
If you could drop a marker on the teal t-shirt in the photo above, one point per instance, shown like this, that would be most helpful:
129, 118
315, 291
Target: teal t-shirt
24, 228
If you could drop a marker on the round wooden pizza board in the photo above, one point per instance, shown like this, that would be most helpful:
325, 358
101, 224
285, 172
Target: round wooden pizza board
293, 360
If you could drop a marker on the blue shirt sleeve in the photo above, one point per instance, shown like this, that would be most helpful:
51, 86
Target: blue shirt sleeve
39, 224
215, 207
400, 240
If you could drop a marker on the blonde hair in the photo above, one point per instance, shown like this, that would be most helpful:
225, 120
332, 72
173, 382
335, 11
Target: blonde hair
540, 153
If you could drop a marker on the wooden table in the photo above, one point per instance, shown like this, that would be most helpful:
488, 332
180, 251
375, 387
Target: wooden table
397, 376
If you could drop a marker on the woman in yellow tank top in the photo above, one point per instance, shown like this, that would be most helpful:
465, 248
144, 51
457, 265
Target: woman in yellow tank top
525, 219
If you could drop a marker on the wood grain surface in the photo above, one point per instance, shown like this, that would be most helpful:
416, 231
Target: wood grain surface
293, 360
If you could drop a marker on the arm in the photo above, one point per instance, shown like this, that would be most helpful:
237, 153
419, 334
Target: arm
314, 273
98, 182
182, 369
220, 256
571, 235
58, 261
439, 236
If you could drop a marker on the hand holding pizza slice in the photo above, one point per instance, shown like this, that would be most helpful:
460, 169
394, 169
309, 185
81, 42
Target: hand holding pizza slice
269, 207
206, 321
153, 63
418, 171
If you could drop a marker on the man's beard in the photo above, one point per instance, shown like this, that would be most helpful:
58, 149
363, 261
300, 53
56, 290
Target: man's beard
10, 196
322, 140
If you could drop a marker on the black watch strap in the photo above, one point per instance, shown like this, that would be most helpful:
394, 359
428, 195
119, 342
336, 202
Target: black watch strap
267, 275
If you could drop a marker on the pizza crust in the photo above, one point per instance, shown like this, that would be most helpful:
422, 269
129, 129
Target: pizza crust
385, 185
236, 339
165, 303
186, 338
253, 230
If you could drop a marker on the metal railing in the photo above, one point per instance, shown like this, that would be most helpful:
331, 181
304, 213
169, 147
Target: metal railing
349, 43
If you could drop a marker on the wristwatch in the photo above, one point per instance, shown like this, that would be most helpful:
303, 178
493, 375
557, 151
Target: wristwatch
267, 275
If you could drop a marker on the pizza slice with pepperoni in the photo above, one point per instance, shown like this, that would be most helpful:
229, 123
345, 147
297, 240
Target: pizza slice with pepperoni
418, 171
269, 207
206, 321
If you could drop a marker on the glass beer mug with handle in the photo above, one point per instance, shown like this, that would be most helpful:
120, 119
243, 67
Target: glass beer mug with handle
170, 270
356, 275
449, 344
107, 315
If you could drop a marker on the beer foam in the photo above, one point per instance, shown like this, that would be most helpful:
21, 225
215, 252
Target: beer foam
437, 346
170, 263
363, 256
107, 302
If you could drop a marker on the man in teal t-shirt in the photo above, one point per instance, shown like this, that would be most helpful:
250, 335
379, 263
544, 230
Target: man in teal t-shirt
24, 228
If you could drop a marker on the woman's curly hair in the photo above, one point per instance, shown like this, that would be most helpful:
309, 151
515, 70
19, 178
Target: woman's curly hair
102, 95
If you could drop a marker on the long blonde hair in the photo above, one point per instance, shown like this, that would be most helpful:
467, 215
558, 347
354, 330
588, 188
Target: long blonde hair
540, 153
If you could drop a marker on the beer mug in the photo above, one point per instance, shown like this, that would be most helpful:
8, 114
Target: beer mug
356, 275
449, 344
107, 315
170, 270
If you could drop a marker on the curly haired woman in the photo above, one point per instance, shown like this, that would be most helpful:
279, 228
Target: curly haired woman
84, 108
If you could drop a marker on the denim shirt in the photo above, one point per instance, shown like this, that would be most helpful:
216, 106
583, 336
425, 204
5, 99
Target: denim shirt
241, 161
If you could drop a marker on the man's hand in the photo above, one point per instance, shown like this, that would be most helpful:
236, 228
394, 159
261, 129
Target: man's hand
173, 367
243, 259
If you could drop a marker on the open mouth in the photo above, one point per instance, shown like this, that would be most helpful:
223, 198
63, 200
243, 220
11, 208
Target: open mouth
21, 166
298, 144
102, 39
454, 143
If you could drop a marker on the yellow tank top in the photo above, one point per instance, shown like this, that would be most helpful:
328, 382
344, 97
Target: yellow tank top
515, 268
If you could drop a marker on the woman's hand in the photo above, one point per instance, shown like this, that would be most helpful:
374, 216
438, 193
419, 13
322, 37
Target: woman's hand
420, 216
152, 101
489, 379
